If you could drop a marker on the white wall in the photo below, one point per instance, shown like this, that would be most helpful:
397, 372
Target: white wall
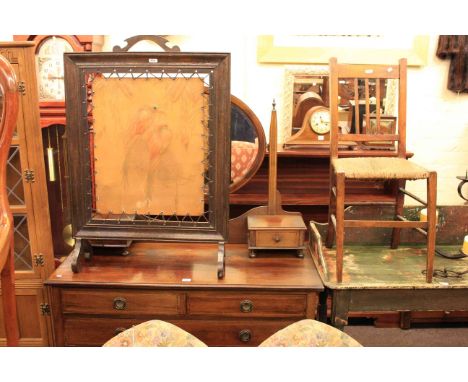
437, 126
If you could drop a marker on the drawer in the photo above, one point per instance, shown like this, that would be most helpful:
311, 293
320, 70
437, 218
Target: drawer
233, 332
279, 239
93, 331
122, 302
246, 305
97, 331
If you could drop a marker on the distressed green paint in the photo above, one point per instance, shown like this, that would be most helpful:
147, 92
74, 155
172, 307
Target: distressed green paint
368, 267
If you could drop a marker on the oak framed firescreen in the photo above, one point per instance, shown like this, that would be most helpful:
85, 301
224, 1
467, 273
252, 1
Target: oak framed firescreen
147, 147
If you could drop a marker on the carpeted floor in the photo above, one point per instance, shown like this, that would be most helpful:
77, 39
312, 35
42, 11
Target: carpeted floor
369, 335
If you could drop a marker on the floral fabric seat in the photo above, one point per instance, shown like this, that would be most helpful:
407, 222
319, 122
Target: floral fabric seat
310, 333
154, 333
305, 333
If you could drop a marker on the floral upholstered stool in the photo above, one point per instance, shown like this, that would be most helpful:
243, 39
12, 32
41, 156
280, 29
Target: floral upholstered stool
155, 333
309, 333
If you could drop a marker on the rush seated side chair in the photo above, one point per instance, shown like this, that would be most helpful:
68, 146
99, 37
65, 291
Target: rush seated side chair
368, 164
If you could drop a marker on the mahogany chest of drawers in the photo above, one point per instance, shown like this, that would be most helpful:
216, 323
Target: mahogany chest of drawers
178, 283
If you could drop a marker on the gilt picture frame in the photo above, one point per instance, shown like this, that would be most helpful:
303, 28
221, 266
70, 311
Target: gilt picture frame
362, 49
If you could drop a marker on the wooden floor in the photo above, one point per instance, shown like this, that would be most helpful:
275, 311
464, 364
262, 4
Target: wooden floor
380, 266
445, 336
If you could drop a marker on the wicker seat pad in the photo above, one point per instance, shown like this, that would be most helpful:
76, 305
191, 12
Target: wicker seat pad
379, 168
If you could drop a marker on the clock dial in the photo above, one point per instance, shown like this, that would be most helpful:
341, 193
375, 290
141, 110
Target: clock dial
50, 68
320, 121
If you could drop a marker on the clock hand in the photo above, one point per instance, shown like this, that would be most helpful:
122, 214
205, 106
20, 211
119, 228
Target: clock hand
52, 77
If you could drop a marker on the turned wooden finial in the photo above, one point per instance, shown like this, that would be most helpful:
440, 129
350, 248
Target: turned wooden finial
272, 173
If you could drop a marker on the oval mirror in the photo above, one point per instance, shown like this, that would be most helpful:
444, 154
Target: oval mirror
248, 144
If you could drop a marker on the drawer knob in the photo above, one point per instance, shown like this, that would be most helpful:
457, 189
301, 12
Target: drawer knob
246, 306
119, 330
245, 335
120, 303
277, 238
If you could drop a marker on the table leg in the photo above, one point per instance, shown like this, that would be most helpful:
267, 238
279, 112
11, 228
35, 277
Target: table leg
405, 319
340, 308
322, 310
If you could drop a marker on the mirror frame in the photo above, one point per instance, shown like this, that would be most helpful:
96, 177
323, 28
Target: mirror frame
236, 102
290, 72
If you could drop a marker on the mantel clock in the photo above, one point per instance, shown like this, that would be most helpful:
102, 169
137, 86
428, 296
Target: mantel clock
315, 130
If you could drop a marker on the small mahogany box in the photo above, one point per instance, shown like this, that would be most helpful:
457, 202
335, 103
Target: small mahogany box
286, 232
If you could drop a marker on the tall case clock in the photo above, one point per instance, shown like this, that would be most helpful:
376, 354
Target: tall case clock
49, 50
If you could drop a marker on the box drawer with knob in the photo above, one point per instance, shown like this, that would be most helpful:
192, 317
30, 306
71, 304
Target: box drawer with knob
277, 232
278, 239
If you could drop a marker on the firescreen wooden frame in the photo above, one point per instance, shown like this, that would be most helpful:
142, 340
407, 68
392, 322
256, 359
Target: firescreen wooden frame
78, 66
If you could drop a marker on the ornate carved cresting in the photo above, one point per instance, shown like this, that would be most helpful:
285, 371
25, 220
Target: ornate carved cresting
160, 40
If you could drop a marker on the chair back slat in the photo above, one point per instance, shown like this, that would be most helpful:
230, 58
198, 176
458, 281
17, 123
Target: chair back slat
367, 99
368, 71
334, 107
356, 106
369, 82
377, 102
367, 137
402, 110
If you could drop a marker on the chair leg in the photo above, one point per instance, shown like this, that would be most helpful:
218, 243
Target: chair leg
340, 204
431, 223
9, 300
331, 210
399, 202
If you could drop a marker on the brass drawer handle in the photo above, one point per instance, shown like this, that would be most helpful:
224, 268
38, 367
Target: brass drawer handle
120, 303
119, 330
277, 238
245, 335
246, 306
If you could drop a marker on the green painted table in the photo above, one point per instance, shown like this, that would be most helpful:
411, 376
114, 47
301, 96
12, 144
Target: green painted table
377, 278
